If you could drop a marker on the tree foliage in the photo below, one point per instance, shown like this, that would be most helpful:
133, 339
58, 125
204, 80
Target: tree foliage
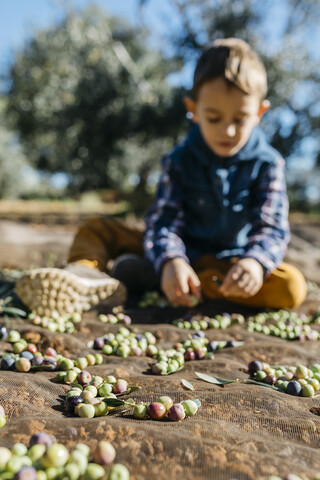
12, 160
90, 97
82, 90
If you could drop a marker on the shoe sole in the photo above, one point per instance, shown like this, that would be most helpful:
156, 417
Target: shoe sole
52, 291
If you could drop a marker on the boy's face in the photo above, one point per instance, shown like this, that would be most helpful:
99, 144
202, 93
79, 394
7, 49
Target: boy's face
226, 115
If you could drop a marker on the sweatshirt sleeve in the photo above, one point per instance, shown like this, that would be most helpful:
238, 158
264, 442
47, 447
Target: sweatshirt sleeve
269, 234
165, 219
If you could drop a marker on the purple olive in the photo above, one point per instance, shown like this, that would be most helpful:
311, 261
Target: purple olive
84, 377
120, 386
37, 361
270, 379
254, 367
26, 473
176, 413
50, 363
199, 353
26, 354
156, 410
72, 402
98, 343
41, 438
189, 355
51, 352
7, 363
294, 388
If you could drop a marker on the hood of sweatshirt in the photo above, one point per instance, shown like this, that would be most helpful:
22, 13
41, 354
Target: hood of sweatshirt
256, 147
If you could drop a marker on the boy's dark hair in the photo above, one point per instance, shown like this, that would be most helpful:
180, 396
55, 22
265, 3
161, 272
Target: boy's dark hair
234, 60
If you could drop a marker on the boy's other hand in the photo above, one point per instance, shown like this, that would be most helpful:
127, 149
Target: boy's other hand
179, 282
244, 279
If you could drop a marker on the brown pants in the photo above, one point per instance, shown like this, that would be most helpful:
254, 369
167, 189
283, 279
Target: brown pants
100, 240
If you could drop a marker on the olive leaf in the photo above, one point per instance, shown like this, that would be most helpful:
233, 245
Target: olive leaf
254, 382
11, 310
197, 401
75, 385
187, 384
113, 402
214, 380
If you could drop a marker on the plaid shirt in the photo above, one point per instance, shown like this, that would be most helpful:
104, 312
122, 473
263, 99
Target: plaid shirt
226, 207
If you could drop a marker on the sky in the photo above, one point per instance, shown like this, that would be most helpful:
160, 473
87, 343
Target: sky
18, 18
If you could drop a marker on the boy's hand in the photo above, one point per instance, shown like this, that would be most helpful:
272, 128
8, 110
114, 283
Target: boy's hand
179, 281
244, 279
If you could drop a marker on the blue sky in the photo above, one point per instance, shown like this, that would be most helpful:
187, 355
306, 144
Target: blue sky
18, 18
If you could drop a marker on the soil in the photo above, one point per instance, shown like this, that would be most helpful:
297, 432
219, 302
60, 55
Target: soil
240, 431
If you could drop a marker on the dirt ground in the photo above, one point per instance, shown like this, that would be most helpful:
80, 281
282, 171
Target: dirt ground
240, 432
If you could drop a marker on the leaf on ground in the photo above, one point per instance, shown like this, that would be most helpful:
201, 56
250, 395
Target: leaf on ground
187, 384
254, 382
215, 380
197, 401
113, 402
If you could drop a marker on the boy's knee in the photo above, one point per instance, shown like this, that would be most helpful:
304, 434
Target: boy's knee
294, 288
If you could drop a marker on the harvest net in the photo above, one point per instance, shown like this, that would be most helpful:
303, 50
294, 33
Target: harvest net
241, 431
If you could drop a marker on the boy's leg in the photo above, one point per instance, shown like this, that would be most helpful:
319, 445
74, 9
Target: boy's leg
284, 288
78, 287
102, 239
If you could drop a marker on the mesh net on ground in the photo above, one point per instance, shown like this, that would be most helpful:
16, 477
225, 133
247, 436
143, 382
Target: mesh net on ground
241, 431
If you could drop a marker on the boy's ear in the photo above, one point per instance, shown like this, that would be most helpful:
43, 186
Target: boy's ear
190, 105
264, 106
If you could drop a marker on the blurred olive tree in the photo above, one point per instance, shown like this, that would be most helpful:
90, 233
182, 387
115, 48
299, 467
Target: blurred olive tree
89, 98
12, 159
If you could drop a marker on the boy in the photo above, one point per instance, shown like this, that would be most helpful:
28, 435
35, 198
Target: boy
221, 210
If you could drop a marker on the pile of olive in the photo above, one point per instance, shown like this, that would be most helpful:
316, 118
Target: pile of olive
46, 458
203, 322
298, 381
